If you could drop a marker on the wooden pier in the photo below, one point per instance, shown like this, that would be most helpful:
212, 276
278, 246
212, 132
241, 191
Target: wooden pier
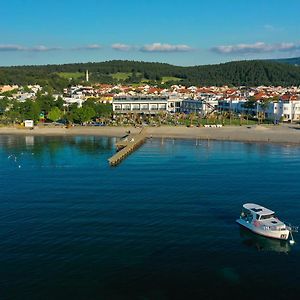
126, 145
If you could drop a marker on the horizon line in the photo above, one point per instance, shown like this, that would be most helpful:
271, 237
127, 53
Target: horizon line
143, 61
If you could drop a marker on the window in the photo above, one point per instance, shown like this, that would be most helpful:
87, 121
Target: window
265, 217
126, 106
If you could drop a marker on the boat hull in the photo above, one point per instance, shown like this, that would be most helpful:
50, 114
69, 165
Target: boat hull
275, 234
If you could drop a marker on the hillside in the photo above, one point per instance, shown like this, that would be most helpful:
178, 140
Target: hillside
292, 61
248, 73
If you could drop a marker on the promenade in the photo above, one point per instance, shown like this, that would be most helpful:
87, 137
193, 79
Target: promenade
285, 133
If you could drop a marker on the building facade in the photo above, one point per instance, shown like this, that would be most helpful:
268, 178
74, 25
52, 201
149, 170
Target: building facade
140, 104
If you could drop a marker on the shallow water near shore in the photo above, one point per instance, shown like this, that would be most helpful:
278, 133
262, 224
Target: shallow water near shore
161, 225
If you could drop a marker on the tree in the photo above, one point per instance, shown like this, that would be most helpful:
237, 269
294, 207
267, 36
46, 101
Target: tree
264, 104
192, 116
84, 114
34, 111
46, 102
60, 103
54, 114
101, 109
3, 105
250, 104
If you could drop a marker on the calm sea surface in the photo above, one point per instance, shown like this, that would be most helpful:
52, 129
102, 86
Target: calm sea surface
161, 225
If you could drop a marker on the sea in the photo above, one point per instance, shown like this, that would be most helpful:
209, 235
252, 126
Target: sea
161, 225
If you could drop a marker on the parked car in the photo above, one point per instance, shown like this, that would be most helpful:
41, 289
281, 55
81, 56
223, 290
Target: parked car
97, 124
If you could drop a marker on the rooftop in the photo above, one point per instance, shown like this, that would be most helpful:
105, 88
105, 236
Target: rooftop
258, 209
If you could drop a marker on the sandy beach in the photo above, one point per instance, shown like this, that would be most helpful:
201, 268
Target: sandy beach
285, 133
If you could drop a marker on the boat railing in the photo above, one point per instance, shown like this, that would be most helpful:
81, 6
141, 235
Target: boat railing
272, 228
292, 228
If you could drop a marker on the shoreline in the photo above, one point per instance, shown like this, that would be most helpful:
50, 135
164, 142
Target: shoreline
284, 133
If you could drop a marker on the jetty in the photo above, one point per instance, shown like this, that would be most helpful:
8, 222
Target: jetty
127, 145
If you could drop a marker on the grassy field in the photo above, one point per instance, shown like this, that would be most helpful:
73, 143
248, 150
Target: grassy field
75, 75
169, 78
120, 76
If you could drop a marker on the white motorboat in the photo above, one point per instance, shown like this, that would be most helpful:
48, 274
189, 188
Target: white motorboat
263, 221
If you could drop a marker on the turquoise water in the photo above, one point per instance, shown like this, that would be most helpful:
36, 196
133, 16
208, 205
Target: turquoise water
159, 226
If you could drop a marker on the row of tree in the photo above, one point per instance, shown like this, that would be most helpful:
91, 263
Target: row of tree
241, 73
45, 107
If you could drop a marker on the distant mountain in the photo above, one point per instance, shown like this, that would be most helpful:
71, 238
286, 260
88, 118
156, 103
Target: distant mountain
239, 73
291, 61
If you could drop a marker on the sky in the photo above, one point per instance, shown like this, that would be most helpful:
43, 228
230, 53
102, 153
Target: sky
185, 33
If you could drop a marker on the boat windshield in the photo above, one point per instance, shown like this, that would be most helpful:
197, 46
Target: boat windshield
265, 217
246, 215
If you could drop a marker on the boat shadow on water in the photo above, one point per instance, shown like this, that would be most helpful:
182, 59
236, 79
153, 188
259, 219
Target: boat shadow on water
261, 243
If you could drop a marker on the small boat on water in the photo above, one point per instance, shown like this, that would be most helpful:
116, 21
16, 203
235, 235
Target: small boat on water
263, 221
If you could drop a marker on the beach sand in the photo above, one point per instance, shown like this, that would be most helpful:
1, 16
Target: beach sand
284, 133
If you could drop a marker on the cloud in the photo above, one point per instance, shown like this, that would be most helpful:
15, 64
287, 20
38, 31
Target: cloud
122, 47
269, 27
258, 47
12, 48
89, 47
39, 48
42, 48
158, 47
155, 47
272, 28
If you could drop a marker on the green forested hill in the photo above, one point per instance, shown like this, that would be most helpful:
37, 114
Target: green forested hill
248, 73
292, 61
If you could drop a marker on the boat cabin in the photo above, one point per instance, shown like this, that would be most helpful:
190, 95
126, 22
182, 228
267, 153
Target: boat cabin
252, 211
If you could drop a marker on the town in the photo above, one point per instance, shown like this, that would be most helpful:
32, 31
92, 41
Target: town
107, 104
149, 150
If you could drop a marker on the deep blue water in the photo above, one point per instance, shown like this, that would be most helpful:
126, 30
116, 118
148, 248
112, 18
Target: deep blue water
161, 225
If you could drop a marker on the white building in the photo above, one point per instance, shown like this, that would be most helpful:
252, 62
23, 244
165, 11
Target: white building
233, 105
140, 104
199, 106
174, 103
68, 101
288, 109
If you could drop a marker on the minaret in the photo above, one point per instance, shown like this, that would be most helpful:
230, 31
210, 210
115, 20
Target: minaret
87, 75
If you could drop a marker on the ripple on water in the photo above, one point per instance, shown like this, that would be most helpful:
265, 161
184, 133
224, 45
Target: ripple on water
159, 226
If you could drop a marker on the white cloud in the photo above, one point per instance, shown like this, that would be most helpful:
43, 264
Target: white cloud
42, 48
269, 27
155, 47
39, 48
158, 47
121, 47
259, 47
93, 46
89, 47
273, 29
12, 48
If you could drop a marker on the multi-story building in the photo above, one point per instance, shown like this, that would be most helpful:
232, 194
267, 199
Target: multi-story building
288, 108
192, 106
140, 104
199, 106
233, 105
174, 103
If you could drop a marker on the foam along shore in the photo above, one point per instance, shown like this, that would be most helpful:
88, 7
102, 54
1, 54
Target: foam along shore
284, 133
